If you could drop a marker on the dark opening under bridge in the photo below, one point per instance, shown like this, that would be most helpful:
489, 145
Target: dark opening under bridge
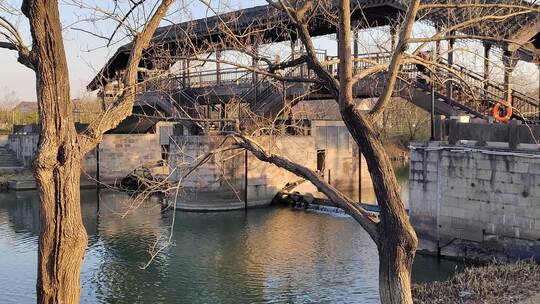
465, 90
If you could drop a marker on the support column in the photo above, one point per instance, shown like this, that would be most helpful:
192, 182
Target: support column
356, 50
222, 105
293, 48
487, 53
254, 63
509, 65
184, 74
449, 85
218, 66
437, 51
187, 72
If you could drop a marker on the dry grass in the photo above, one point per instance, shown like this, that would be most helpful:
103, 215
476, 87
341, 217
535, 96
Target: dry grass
510, 283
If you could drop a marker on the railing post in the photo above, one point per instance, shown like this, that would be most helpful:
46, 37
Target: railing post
218, 66
449, 84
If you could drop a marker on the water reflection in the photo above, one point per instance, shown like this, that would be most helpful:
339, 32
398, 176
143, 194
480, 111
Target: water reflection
264, 256
401, 169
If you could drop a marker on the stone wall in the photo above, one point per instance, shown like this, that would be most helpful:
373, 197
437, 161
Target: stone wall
119, 153
24, 146
221, 178
476, 203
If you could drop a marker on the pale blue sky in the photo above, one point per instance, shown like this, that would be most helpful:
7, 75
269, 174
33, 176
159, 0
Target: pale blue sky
83, 64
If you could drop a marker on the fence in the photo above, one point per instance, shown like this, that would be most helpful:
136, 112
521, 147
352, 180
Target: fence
9, 118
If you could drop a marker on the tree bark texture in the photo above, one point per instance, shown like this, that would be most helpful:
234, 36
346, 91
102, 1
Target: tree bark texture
62, 238
397, 240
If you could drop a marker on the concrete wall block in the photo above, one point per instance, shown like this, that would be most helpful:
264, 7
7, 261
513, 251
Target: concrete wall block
432, 167
433, 156
485, 164
534, 168
460, 192
519, 166
453, 202
452, 212
509, 188
417, 155
537, 224
518, 178
419, 176
444, 162
417, 166
483, 174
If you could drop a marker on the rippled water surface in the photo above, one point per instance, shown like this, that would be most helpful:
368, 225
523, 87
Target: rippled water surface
271, 255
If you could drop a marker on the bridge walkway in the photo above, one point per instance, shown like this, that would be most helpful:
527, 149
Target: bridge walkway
457, 89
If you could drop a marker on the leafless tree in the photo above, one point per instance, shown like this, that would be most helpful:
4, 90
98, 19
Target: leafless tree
391, 230
63, 239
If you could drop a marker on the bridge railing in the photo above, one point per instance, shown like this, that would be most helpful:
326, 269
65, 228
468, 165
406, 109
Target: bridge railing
491, 92
470, 89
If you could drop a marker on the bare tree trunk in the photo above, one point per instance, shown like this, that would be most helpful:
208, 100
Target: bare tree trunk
62, 238
395, 266
397, 240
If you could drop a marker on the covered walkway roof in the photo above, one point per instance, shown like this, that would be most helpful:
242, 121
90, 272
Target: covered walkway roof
272, 25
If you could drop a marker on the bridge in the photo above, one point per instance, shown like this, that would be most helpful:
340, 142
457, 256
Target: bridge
202, 95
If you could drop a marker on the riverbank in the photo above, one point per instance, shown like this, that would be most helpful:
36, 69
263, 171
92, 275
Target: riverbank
504, 283
14, 175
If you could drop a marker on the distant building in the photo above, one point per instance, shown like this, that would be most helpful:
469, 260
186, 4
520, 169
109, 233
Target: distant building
26, 107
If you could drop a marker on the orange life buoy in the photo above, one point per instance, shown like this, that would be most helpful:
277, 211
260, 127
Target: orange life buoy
506, 109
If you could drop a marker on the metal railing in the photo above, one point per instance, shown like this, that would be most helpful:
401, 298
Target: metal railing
471, 92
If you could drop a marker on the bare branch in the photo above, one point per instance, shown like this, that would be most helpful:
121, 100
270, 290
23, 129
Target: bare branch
366, 219
395, 63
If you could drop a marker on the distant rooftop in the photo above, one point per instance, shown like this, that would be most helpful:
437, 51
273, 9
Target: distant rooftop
25, 107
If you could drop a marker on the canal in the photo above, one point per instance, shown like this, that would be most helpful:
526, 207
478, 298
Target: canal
269, 255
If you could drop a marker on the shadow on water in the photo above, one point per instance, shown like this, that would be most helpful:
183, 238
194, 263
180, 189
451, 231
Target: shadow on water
268, 255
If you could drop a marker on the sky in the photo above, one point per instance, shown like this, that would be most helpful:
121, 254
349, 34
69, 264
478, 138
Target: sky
86, 53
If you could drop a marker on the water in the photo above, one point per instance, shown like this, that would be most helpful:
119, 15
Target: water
368, 192
270, 255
